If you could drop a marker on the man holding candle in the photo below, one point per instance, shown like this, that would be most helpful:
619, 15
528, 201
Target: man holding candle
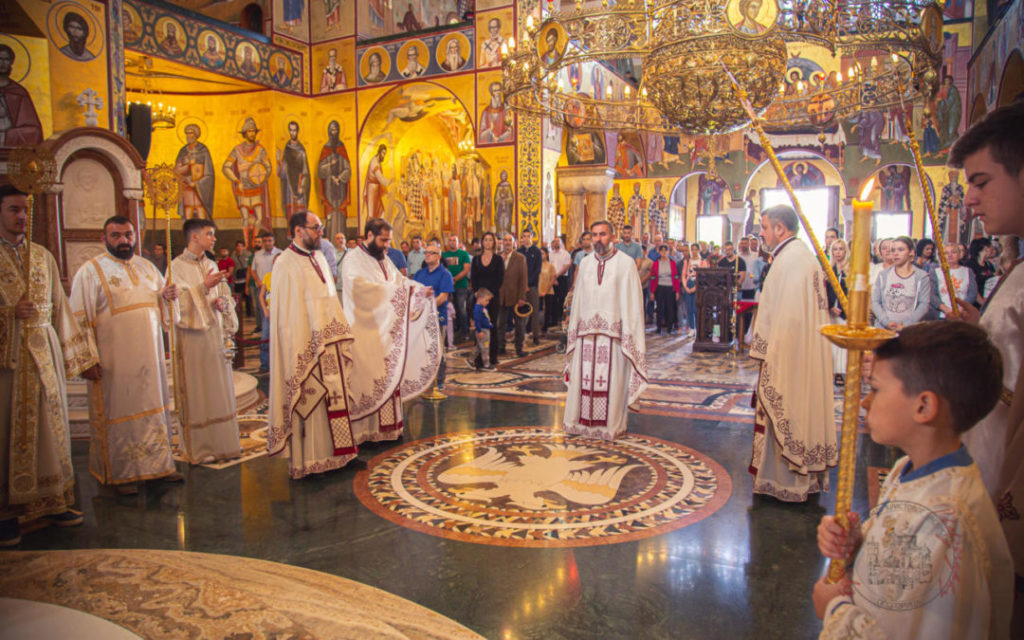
794, 425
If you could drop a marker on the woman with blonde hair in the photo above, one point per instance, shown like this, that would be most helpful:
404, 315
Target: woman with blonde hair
839, 257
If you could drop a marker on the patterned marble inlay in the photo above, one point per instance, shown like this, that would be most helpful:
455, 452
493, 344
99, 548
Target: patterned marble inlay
531, 487
177, 594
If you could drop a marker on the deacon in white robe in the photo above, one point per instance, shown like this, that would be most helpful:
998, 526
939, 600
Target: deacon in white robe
119, 300
206, 310
606, 354
310, 358
35, 448
794, 424
397, 347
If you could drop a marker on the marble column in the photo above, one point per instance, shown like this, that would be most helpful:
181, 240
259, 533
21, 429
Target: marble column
586, 196
736, 214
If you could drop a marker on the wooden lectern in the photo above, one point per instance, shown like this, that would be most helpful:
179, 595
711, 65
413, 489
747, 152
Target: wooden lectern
714, 309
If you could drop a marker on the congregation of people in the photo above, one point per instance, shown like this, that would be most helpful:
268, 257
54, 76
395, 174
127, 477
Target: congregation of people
350, 328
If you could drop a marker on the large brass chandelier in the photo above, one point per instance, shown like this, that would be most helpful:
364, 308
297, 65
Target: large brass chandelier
699, 56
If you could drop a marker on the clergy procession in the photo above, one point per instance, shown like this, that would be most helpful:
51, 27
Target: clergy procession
351, 332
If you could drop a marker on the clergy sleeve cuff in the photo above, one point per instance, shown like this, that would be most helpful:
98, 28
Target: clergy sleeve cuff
836, 604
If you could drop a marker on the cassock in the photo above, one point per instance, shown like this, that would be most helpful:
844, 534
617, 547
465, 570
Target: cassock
310, 362
119, 305
606, 353
397, 347
207, 389
35, 458
794, 423
933, 562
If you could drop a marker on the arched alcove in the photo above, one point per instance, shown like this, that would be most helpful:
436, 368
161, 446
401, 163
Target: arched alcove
1011, 86
812, 175
425, 131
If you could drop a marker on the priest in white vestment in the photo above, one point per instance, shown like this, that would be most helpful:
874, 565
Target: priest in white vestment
206, 310
606, 353
397, 347
794, 424
35, 446
120, 300
310, 358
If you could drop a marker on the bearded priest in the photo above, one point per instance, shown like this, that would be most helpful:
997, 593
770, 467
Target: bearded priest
310, 357
121, 302
606, 354
397, 346
794, 423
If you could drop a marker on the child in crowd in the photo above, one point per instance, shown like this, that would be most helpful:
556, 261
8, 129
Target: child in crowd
483, 326
931, 561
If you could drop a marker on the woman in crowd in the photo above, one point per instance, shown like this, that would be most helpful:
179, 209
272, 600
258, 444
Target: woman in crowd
963, 281
664, 286
982, 266
925, 255
690, 297
546, 289
488, 270
683, 269
903, 294
839, 257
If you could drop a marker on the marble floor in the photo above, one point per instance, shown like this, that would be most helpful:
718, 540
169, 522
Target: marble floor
744, 570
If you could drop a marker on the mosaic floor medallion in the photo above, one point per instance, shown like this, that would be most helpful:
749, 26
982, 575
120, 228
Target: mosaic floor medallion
530, 487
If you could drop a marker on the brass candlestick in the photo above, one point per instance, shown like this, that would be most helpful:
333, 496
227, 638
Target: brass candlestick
33, 171
162, 190
856, 337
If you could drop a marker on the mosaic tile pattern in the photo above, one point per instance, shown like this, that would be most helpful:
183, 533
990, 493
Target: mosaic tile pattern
532, 487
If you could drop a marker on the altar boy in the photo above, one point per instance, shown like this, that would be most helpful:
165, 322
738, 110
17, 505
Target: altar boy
931, 560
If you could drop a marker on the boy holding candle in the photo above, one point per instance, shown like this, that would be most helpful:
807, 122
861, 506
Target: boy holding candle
931, 560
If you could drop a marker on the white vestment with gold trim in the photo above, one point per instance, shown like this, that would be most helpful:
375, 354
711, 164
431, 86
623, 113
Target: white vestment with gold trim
606, 353
310, 363
118, 303
397, 346
794, 423
35, 465
209, 423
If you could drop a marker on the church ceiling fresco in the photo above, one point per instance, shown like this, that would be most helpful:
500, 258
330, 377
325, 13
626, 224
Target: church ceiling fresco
404, 59
229, 11
174, 77
209, 46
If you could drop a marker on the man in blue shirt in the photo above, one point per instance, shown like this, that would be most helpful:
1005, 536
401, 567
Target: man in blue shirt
415, 256
438, 278
398, 259
534, 259
628, 247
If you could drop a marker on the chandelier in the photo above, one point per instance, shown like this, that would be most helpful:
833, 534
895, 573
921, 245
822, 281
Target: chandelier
699, 56
164, 116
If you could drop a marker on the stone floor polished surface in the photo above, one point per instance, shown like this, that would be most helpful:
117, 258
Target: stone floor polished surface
744, 571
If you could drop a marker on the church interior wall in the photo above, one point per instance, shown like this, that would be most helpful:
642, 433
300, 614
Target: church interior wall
72, 70
31, 70
302, 42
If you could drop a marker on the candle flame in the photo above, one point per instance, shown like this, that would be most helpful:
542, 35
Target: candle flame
865, 193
